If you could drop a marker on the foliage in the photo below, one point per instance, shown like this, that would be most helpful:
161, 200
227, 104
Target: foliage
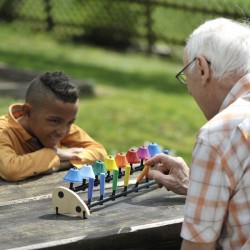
109, 24
120, 22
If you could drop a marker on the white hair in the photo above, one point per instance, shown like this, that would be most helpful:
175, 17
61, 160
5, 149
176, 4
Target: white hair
224, 43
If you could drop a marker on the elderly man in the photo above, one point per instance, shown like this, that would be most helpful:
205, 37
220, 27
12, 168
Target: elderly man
217, 74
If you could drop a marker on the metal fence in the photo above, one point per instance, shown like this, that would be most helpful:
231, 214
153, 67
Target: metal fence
120, 23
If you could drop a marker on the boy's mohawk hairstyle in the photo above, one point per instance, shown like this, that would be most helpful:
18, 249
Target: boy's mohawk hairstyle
60, 85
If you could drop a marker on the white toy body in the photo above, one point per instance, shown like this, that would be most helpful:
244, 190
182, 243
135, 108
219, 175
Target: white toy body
65, 201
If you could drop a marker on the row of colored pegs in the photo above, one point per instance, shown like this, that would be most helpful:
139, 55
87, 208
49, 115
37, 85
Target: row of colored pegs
110, 163
114, 194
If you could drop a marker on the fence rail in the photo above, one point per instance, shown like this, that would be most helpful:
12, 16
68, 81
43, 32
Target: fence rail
120, 23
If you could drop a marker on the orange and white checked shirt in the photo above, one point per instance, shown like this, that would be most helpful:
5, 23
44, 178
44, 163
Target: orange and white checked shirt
218, 199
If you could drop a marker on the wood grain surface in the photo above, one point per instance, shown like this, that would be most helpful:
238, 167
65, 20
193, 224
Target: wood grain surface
148, 219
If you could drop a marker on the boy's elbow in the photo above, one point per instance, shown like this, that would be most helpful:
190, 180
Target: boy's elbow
11, 177
12, 170
10, 174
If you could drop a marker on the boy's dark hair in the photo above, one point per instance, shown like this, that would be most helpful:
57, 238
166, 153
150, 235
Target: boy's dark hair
52, 85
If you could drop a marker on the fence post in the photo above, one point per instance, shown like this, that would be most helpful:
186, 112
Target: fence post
9, 10
49, 19
149, 26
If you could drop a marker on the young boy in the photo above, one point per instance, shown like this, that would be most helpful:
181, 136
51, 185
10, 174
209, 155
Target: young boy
39, 136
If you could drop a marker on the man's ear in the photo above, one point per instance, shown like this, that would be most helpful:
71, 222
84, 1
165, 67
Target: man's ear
26, 110
204, 70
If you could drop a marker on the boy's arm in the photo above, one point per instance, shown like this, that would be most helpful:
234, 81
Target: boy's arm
15, 167
93, 150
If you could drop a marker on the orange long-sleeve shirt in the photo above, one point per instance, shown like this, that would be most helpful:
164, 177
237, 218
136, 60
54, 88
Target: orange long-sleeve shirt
21, 156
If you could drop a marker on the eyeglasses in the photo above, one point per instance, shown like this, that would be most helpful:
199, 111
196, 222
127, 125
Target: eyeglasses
181, 76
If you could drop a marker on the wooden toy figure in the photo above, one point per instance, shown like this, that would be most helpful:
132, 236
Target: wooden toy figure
65, 200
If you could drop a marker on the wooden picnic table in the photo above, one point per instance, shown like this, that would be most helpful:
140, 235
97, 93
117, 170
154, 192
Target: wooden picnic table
148, 219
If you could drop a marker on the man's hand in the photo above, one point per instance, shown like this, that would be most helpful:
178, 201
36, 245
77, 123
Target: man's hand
170, 172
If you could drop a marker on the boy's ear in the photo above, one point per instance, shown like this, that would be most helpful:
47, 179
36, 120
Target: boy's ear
26, 110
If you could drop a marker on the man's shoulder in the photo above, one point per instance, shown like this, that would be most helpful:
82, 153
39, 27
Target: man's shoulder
230, 117
226, 125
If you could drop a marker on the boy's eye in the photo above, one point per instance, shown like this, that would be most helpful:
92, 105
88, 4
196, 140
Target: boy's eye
54, 121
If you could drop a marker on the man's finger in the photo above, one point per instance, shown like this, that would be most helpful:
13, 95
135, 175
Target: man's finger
154, 160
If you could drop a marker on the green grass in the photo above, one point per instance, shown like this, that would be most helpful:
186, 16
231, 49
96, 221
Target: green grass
137, 100
122, 119
22, 49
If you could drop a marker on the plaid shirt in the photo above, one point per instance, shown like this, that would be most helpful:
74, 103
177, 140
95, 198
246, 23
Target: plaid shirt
218, 199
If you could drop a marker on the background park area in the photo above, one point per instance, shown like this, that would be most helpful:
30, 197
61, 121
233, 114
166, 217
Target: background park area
127, 51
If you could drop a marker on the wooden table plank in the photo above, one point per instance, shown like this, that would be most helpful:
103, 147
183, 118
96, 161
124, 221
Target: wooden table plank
144, 220
32, 187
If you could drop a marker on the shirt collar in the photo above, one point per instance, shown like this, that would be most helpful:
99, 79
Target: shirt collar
15, 111
241, 88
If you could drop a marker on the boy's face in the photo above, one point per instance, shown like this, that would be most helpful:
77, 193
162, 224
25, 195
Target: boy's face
50, 123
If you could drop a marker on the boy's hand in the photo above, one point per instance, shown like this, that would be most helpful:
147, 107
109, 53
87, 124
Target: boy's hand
66, 154
170, 172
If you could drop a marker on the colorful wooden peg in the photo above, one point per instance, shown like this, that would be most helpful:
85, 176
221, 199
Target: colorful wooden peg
115, 180
87, 172
110, 165
98, 168
153, 149
90, 190
73, 176
142, 174
143, 154
126, 178
132, 158
121, 162
102, 186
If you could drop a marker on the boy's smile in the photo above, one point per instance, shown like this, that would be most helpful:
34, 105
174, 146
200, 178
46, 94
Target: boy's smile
50, 123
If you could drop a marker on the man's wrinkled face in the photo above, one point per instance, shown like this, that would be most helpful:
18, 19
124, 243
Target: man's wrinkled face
193, 82
50, 123
204, 88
